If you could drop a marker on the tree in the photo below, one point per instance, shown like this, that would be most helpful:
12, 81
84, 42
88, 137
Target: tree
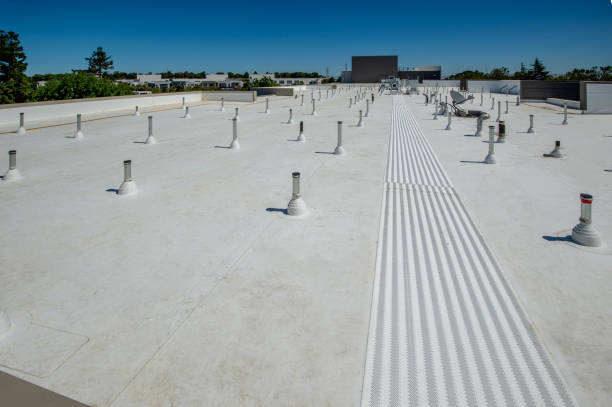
500, 73
523, 73
14, 84
80, 85
538, 70
99, 62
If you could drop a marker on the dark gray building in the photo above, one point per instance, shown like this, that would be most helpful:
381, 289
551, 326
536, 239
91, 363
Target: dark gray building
368, 69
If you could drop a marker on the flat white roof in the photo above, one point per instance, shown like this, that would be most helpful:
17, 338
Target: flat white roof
199, 290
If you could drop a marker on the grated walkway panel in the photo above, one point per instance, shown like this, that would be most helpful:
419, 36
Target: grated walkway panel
446, 328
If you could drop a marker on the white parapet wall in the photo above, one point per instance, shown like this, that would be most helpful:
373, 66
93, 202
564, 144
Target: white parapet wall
233, 96
598, 97
276, 90
441, 83
58, 109
495, 86
571, 104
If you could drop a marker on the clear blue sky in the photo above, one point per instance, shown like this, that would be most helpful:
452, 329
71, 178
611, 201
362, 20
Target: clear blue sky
310, 35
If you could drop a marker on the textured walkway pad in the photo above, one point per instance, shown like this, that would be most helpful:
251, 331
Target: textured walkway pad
446, 328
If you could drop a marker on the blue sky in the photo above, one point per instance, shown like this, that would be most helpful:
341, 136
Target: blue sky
310, 36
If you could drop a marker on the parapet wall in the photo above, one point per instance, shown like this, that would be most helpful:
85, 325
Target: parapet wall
596, 97
569, 90
275, 90
69, 108
234, 96
495, 86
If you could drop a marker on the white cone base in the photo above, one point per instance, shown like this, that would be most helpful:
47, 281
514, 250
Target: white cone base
297, 207
501, 140
586, 235
267, 112
314, 113
150, 140
530, 130
447, 128
136, 113
237, 118
21, 130
12, 175
127, 188
187, 116
339, 150
222, 110
235, 145
564, 123
490, 159
78, 135
556, 153
290, 121
301, 138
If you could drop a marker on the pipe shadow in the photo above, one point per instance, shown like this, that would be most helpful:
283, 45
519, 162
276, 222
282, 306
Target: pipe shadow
226, 147
139, 142
608, 170
470, 135
324, 152
281, 210
472, 162
113, 190
567, 238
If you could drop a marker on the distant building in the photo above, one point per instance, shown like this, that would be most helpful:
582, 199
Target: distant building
259, 76
369, 69
148, 78
428, 72
346, 77
298, 81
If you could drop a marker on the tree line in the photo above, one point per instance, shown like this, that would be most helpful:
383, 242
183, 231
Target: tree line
95, 81
537, 71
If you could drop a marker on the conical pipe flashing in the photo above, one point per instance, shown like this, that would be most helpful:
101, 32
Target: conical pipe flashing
21, 129
13, 173
301, 137
79, 133
296, 206
235, 145
150, 139
556, 153
339, 150
584, 233
128, 187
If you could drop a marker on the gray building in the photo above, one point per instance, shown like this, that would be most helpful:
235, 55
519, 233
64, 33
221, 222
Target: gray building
429, 72
369, 69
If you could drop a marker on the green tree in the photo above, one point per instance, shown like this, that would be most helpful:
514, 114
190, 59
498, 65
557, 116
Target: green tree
538, 70
523, 73
80, 85
14, 84
99, 62
500, 73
